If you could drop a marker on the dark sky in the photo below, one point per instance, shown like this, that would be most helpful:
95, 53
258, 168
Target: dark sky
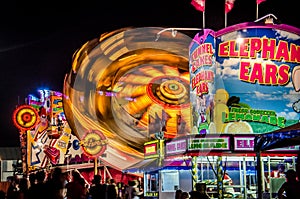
38, 38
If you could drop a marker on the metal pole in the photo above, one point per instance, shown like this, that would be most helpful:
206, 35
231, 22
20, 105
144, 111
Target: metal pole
96, 166
256, 11
203, 19
259, 176
194, 172
225, 15
245, 177
220, 176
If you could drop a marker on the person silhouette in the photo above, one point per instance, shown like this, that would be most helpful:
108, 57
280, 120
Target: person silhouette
185, 195
112, 190
291, 187
199, 192
2, 194
96, 190
178, 194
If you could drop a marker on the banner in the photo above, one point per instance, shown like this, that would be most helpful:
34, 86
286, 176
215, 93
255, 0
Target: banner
199, 5
259, 1
229, 5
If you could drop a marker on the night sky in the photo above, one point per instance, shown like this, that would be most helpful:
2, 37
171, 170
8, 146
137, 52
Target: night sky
38, 38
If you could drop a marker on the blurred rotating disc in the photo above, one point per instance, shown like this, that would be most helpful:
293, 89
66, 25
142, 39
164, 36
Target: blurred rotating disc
129, 86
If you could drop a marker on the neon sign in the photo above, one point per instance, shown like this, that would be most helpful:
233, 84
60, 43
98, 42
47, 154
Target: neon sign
94, 143
175, 147
244, 143
25, 117
220, 143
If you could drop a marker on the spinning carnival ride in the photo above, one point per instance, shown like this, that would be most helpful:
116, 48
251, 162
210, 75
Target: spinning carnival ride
130, 87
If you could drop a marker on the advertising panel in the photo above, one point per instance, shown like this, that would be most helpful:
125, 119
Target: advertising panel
51, 141
154, 149
256, 80
202, 73
211, 143
176, 147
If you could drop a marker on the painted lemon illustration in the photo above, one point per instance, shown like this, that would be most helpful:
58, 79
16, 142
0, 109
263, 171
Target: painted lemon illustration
240, 127
194, 130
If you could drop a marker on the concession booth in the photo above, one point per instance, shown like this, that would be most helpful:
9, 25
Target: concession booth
162, 175
244, 83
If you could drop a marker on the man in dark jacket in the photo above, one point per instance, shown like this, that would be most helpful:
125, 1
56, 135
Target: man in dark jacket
97, 190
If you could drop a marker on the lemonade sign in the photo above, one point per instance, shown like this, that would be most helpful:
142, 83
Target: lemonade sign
256, 80
253, 115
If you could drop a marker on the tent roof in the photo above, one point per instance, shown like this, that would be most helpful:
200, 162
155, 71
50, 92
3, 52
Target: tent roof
285, 137
144, 165
149, 165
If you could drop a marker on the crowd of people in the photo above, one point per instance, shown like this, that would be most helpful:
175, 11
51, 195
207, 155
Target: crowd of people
198, 193
59, 185
290, 189
68, 185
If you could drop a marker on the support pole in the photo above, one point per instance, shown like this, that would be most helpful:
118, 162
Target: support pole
194, 172
203, 19
259, 176
96, 166
220, 178
256, 11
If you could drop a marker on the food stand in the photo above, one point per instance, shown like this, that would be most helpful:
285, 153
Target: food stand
244, 81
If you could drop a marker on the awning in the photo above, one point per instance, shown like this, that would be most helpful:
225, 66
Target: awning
178, 163
285, 137
149, 165
146, 165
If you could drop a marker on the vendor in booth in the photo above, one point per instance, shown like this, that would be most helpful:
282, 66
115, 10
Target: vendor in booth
279, 173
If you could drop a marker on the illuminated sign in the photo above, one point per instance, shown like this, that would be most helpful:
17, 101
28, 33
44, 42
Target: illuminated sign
153, 149
94, 143
175, 147
244, 143
209, 143
151, 194
202, 77
25, 117
255, 69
